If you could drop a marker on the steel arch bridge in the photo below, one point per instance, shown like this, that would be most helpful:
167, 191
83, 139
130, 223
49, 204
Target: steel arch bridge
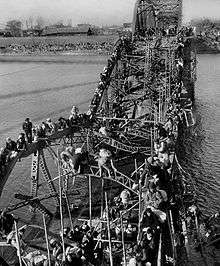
130, 79
140, 81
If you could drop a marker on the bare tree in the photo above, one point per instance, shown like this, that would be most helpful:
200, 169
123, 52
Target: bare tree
27, 24
69, 22
15, 27
31, 22
40, 23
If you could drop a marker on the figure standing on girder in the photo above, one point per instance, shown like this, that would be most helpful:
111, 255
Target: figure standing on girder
27, 127
74, 116
104, 161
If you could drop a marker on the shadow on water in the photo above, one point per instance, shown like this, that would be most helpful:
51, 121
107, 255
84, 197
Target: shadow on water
51, 89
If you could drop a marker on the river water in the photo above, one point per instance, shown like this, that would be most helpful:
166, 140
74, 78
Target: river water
48, 89
201, 153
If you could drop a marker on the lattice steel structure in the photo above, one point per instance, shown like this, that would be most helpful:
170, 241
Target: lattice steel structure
158, 14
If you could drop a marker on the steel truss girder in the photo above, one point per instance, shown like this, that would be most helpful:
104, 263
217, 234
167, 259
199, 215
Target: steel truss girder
118, 177
38, 161
47, 177
35, 204
121, 146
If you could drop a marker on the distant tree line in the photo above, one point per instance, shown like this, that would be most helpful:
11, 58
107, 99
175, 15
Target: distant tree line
205, 24
15, 27
36, 26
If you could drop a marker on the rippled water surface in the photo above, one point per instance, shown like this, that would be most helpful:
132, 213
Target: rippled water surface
42, 90
202, 143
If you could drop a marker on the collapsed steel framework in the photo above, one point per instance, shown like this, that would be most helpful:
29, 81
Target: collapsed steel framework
140, 82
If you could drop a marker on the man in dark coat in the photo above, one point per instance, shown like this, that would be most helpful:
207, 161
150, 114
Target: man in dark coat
27, 127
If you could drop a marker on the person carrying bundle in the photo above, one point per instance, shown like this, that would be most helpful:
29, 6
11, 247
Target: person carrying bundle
74, 160
103, 160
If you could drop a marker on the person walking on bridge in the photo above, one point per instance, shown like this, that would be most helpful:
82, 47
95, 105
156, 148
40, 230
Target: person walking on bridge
27, 127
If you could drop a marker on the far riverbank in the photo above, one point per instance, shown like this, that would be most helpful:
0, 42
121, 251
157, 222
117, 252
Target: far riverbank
206, 45
60, 45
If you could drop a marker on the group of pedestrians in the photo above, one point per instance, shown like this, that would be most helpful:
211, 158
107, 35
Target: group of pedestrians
152, 32
122, 44
34, 133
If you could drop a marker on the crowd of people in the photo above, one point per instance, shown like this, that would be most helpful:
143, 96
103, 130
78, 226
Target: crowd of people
53, 47
33, 134
80, 245
152, 32
106, 73
155, 179
155, 182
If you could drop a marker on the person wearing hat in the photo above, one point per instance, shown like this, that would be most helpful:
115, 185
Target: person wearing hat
27, 127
